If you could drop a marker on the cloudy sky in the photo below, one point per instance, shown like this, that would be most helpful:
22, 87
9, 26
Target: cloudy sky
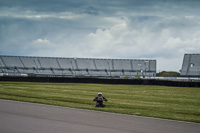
127, 29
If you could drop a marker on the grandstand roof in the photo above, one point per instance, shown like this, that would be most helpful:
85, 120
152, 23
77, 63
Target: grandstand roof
191, 65
76, 66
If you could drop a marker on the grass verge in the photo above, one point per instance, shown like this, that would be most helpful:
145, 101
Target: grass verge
175, 103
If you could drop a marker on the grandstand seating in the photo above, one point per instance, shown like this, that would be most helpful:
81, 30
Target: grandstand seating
66, 63
48, 63
191, 65
103, 64
76, 66
30, 62
122, 65
85, 64
12, 61
1, 63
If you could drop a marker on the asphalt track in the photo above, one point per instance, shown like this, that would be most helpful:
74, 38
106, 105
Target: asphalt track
23, 117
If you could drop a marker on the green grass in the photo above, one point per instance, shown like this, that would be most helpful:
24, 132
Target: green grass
177, 103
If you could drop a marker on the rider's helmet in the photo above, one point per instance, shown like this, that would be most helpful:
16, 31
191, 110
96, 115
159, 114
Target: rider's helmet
99, 94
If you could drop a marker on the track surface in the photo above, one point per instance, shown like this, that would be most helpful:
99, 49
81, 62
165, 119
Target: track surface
22, 117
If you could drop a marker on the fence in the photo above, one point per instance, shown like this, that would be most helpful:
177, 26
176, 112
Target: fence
104, 81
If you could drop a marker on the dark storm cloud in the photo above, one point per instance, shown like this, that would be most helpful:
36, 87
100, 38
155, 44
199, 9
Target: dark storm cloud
94, 6
42, 5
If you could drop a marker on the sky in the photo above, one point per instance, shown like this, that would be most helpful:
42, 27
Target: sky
163, 30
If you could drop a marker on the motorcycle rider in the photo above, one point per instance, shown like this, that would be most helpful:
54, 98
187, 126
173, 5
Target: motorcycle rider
99, 100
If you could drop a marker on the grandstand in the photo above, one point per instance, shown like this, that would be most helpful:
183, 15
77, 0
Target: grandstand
54, 66
191, 65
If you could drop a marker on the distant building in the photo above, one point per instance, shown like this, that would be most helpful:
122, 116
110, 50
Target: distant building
191, 65
54, 66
